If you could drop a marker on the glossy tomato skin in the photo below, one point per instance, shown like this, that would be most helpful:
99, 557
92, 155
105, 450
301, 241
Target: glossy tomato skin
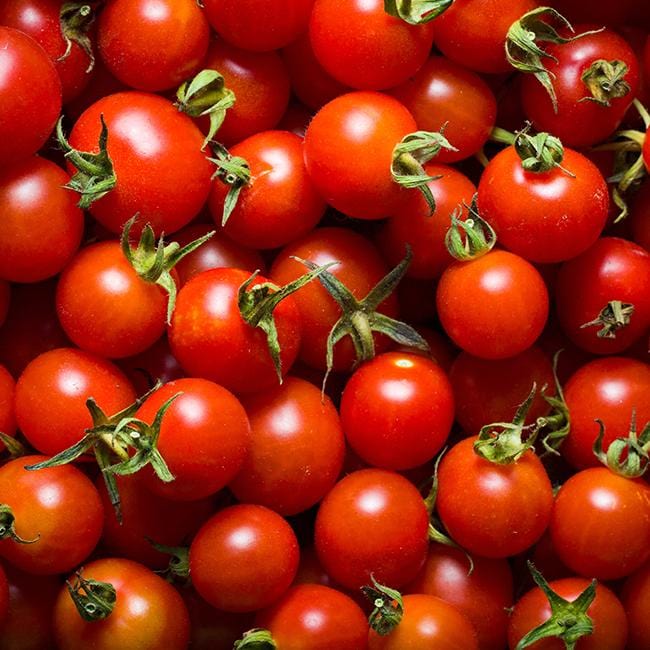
601, 524
7, 410
152, 58
40, 225
608, 389
359, 268
547, 216
482, 595
315, 617
443, 94
493, 307
51, 396
413, 224
204, 438
493, 510
611, 269
580, 123
280, 203
606, 612
348, 152
147, 138
635, 596
256, 563
211, 339
428, 622
296, 449
59, 507
29, 110
397, 410
148, 614
259, 26
363, 47
372, 522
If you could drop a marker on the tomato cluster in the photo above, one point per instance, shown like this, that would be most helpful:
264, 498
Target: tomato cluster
324, 325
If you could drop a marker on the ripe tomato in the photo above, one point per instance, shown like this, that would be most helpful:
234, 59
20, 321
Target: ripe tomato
28, 110
601, 524
7, 411
372, 522
348, 153
148, 613
256, 563
636, 600
493, 307
57, 507
397, 410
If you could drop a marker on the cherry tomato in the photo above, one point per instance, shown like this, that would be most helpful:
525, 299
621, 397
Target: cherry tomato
256, 563
7, 414
636, 600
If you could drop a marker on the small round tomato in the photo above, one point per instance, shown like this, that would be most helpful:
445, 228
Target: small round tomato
56, 510
636, 600
373, 522
148, 613
256, 563
7, 410
493, 307
397, 410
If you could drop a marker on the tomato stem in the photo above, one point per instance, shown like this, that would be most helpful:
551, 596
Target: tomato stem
416, 12
605, 81
256, 639
8, 526
472, 238
94, 600
614, 316
626, 457
75, 20
388, 607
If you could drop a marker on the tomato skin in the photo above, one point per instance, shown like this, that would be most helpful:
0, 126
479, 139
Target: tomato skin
372, 522
257, 559
296, 450
483, 596
606, 612
338, 142
314, 617
397, 410
7, 411
636, 599
601, 524
40, 225
51, 396
204, 438
60, 506
445, 94
493, 307
492, 510
152, 58
611, 269
147, 138
149, 613
428, 623
29, 110
211, 339
546, 216
280, 203
257, 25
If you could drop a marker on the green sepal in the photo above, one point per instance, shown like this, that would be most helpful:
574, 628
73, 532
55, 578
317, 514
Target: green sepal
94, 600
605, 80
472, 238
206, 94
615, 315
256, 639
234, 172
179, 561
569, 620
388, 607
409, 156
8, 526
628, 457
539, 153
95, 175
416, 12
153, 261
15, 448
555, 426
75, 19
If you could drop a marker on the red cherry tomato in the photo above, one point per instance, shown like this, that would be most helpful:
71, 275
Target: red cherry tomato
636, 600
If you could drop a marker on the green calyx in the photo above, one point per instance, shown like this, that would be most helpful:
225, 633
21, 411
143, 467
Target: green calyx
257, 303
628, 457
153, 261
388, 607
94, 600
232, 171
409, 156
569, 621
522, 44
75, 19
95, 175
614, 316
8, 526
360, 318
472, 238
605, 81
416, 12
178, 568
539, 153
15, 448
256, 639
553, 428
206, 94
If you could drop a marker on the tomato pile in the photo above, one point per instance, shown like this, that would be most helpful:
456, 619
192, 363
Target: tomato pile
324, 325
